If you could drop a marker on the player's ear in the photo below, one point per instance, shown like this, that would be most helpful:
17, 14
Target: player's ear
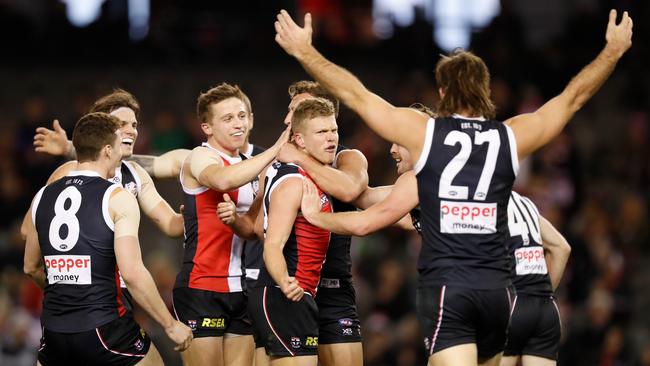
207, 128
251, 121
299, 140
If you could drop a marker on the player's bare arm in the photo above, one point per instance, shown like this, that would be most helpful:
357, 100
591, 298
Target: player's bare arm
206, 167
374, 195
283, 209
381, 116
167, 165
345, 182
556, 251
402, 199
534, 130
124, 211
33, 260
155, 207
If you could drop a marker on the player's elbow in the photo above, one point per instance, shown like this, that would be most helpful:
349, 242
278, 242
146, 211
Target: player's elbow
223, 184
31, 269
362, 228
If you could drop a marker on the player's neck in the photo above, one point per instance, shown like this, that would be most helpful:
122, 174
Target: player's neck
217, 146
100, 168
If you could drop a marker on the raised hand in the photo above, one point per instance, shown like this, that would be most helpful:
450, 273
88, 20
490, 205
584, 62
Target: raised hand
619, 36
53, 142
291, 289
180, 334
310, 204
292, 38
226, 210
283, 139
289, 153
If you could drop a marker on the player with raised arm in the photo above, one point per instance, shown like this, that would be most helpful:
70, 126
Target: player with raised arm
539, 255
283, 308
465, 165
80, 228
208, 294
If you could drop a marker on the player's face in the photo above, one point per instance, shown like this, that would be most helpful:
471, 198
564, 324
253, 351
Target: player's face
129, 129
294, 103
229, 124
320, 138
402, 158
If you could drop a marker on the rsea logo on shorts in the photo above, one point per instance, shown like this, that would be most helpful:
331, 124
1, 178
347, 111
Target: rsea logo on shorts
530, 260
311, 342
468, 217
218, 323
68, 269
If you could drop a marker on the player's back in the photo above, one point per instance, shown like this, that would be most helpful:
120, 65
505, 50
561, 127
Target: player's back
75, 233
530, 274
465, 174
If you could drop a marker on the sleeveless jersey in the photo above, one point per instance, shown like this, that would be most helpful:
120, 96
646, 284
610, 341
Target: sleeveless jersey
127, 177
75, 233
305, 249
530, 275
253, 249
465, 174
338, 263
212, 259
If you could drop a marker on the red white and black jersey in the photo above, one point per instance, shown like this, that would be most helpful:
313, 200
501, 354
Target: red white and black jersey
75, 233
465, 174
530, 274
213, 253
304, 251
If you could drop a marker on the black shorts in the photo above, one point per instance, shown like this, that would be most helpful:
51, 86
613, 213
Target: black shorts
535, 328
286, 328
450, 316
250, 309
338, 321
120, 342
211, 314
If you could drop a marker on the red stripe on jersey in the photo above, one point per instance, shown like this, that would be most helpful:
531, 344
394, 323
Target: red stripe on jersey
214, 243
121, 310
312, 243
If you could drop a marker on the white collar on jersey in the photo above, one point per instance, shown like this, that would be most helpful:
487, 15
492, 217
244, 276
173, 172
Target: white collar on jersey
231, 159
456, 115
89, 173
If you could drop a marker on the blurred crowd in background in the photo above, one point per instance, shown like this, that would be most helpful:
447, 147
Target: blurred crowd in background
591, 182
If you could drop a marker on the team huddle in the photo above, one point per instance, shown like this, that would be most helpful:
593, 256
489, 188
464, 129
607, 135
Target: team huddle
266, 276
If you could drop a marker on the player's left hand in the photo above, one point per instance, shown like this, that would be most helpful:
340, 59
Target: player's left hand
226, 210
289, 153
292, 38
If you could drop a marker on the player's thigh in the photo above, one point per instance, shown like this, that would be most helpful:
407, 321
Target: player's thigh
261, 358
152, 358
238, 350
203, 352
492, 361
536, 361
294, 361
461, 355
341, 354
509, 361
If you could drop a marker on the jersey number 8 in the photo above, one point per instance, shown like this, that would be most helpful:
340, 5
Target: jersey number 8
67, 217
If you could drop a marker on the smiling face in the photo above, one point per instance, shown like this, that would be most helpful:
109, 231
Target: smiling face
129, 129
228, 124
319, 137
402, 158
